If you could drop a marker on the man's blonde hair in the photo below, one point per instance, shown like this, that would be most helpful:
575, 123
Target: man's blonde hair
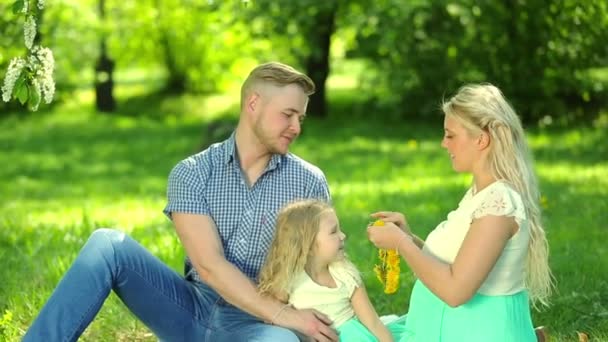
277, 74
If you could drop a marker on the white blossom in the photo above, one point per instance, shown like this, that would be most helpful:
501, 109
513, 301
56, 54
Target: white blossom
35, 87
29, 31
48, 89
43, 62
39, 63
12, 74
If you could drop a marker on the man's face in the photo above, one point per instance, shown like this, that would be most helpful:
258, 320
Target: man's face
279, 116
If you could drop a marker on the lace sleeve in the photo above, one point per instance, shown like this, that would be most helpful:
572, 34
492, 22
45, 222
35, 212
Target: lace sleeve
345, 272
501, 201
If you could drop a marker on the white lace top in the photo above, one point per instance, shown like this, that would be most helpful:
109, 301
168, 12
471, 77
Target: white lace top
497, 199
334, 302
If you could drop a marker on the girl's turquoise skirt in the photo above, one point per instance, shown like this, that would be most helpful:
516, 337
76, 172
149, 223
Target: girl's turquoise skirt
353, 331
481, 319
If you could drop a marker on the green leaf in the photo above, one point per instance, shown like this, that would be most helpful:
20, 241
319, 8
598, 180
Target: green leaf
20, 81
23, 93
34, 99
17, 6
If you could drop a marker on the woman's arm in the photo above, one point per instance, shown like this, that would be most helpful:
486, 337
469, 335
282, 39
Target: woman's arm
367, 315
454, 283
417, 241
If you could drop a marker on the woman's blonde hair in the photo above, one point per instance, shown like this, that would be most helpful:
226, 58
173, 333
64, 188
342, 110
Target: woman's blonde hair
295, 234
482, 107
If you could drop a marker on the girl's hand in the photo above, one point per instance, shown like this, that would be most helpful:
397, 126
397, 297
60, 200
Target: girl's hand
386, 237
394, 217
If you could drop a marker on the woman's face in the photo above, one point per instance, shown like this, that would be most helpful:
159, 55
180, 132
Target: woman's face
461, 146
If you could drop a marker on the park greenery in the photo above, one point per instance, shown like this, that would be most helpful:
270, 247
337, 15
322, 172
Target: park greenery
142, 84
550, 58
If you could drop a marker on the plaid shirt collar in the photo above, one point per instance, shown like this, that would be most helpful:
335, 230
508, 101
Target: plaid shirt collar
231, 154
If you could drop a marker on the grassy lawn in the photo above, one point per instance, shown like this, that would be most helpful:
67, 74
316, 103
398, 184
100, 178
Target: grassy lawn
70, 171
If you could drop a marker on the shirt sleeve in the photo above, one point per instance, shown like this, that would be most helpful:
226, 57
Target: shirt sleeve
185, 189
321, 190
501, 201
345, 272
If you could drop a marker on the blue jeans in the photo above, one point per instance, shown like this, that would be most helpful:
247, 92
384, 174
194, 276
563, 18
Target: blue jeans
174, 308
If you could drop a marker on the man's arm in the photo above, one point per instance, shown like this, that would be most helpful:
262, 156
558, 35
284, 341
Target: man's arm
201, 241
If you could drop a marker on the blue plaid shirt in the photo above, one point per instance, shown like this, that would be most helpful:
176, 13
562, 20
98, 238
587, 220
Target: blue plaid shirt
211, 183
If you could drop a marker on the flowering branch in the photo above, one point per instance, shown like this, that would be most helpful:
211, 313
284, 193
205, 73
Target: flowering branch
30, 79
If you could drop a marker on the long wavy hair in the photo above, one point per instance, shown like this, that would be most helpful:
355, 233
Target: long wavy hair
295, 235
482, 107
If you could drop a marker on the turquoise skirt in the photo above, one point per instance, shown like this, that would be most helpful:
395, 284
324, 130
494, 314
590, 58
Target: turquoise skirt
483, 318
353, 331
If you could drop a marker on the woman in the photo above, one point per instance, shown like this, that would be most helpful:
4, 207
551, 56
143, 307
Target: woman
480, 268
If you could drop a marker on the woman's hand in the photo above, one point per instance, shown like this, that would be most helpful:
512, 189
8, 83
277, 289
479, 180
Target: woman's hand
386, 237
394, 217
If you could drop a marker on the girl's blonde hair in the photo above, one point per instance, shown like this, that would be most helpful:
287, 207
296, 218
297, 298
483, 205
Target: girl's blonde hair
482, 107
296, 230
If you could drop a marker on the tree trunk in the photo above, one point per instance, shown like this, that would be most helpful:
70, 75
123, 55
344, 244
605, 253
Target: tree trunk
176, 78
317, 62
104, 83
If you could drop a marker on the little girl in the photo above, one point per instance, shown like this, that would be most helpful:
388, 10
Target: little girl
307, 268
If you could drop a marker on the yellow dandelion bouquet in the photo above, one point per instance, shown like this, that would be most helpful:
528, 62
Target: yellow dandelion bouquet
388, 270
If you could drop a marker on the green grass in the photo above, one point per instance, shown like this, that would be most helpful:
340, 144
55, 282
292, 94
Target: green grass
70, 171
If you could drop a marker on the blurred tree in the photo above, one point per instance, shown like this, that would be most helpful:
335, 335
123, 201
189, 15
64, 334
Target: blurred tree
537, 52
176, 77
195, 43
308, 26
317, 61
104, 68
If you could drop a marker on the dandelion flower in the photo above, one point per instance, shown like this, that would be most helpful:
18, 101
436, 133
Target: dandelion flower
388, 270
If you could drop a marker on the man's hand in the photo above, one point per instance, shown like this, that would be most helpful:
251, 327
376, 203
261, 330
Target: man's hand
309, 322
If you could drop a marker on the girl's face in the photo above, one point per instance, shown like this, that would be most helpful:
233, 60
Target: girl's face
329, 244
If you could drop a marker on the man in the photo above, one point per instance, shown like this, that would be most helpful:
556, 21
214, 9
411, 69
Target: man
223, 203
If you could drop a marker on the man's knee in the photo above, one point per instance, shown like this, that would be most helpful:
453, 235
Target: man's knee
103, 239
270, 333
284, 334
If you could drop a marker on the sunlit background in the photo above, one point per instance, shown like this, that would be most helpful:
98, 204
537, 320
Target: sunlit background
374, 128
